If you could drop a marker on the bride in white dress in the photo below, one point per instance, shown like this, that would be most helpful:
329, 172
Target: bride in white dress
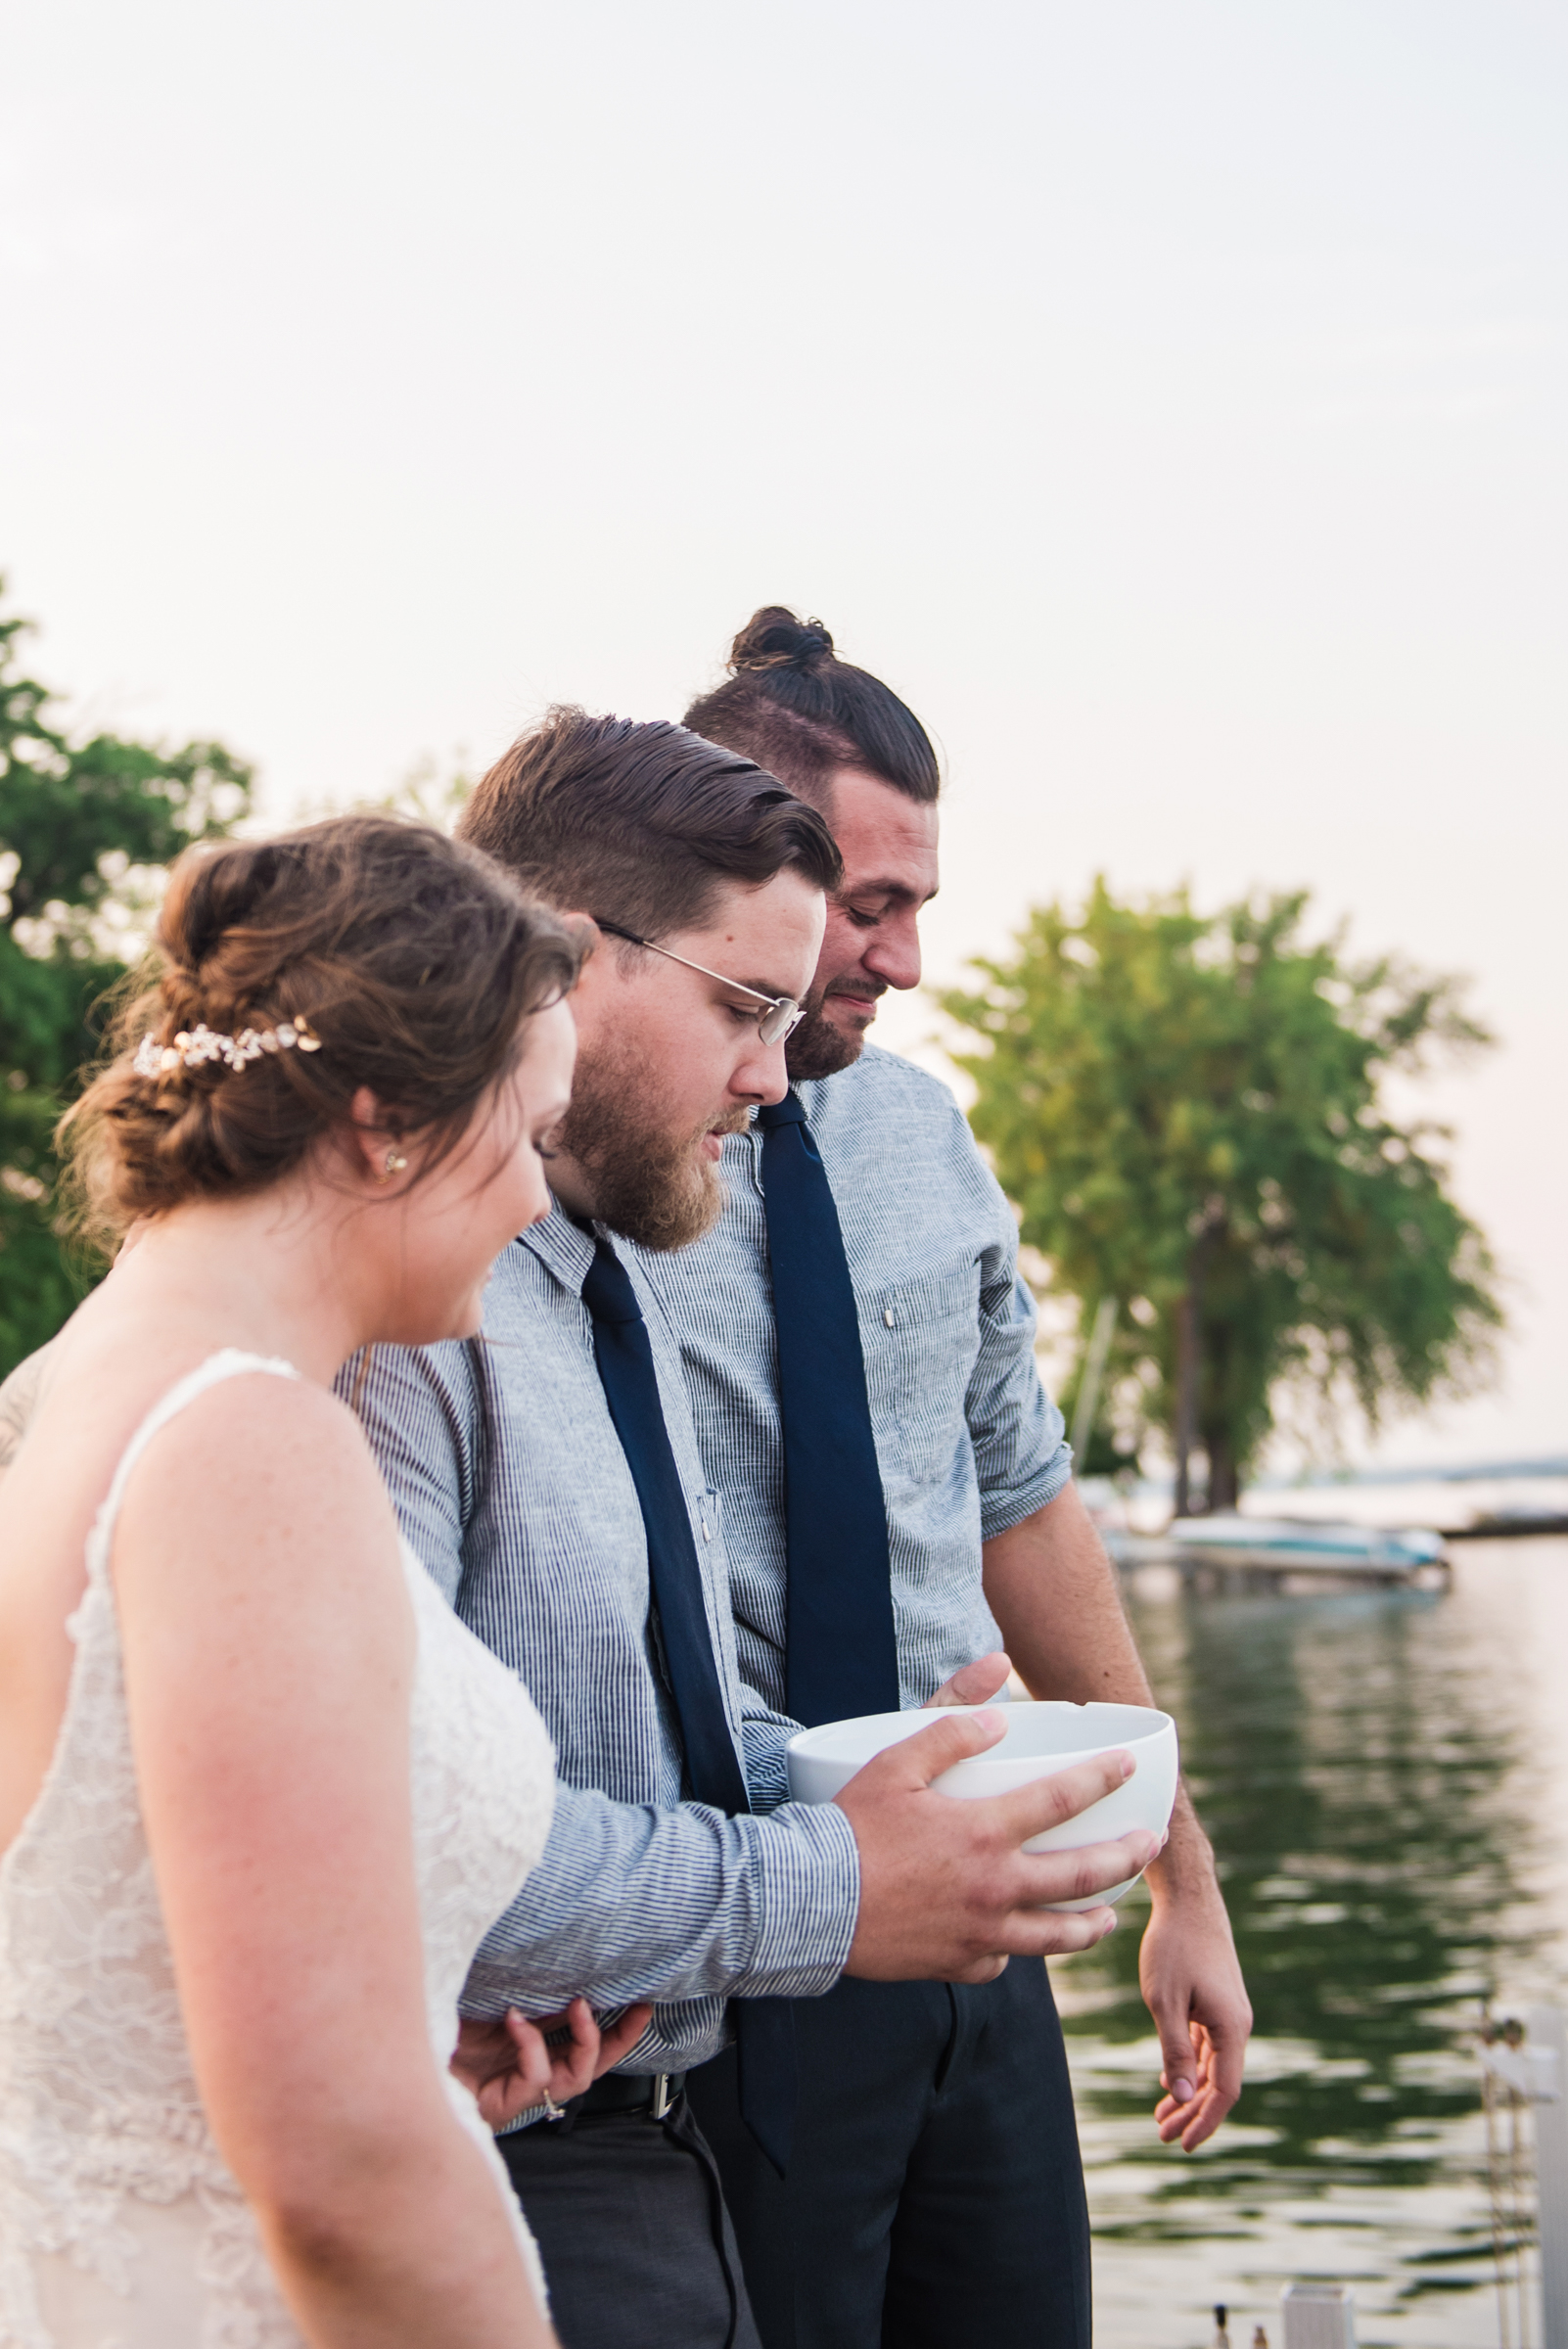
260, 1793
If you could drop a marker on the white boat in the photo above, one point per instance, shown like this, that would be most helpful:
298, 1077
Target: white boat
1279, 1546
1307, 1542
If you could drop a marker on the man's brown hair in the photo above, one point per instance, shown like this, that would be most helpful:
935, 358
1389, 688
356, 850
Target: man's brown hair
640, 823
792, 704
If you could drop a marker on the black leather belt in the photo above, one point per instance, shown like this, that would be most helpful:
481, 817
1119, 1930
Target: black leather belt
652, 2092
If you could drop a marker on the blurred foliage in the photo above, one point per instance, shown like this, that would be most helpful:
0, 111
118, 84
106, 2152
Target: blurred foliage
1102, 1454
1176, 1102
85, 828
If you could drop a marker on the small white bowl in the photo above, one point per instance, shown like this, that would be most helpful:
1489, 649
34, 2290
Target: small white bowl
1040, 1741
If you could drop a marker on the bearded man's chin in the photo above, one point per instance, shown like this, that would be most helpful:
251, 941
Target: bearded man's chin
679, 1218
661, 1208
818, 1049
657, 1188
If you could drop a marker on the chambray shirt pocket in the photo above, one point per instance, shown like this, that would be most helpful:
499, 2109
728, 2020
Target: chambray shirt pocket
920, 1341
713, 1564
709, 1507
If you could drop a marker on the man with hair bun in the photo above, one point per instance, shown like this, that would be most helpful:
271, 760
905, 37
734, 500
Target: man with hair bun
859, 1354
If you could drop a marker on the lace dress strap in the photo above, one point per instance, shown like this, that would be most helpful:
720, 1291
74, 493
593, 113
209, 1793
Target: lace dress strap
230, 1362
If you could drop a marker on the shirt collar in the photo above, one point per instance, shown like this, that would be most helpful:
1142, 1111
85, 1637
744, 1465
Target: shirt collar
562, 1247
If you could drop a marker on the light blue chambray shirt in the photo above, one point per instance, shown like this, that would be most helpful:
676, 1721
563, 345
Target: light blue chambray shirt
967, 1442
510, 1483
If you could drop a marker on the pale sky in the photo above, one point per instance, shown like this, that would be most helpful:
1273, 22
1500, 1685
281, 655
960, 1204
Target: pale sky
1167, 399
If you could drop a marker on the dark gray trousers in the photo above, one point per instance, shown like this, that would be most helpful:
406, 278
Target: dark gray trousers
630, 2223
934, 2196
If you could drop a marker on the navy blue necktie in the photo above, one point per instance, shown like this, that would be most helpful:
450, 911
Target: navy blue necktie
841, 1653
764, 2027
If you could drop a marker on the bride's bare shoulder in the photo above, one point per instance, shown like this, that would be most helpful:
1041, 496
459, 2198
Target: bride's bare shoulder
258, 1513
248, 1447
257, 1440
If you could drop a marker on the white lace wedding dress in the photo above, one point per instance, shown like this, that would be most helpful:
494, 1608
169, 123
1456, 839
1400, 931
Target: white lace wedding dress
119, 2226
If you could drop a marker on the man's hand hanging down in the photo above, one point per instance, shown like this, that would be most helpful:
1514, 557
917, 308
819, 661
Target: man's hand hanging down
1053, 1592
1193, 1986
1187, 1967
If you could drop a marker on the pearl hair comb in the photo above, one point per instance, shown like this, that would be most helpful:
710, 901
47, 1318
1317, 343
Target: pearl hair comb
192, 1046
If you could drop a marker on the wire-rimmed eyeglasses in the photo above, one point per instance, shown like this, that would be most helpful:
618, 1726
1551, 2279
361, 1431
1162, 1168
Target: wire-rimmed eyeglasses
782, 1016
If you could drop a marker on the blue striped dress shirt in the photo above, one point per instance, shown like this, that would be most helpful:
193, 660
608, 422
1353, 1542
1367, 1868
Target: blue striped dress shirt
511, 1485
967, 1442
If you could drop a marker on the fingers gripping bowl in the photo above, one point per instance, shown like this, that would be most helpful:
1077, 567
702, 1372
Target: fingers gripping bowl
1041, 1740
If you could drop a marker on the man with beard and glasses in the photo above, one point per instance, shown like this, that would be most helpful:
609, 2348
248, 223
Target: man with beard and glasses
548, 1475
898, 1500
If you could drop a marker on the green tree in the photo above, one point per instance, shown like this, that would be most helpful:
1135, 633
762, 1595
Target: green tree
1188, 1112
85, 826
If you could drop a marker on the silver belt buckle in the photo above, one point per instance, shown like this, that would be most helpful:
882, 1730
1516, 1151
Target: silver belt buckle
663, 2102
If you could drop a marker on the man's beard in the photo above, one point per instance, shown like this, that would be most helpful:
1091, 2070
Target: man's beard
649, 1184
818, 1049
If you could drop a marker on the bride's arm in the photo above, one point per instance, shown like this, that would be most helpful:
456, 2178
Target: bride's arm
268, 1658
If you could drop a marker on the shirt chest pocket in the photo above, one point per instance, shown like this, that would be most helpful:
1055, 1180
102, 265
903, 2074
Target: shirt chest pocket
920, 1340
713, 1568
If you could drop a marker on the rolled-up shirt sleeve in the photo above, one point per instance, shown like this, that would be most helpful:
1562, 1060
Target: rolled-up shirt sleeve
1022, 1457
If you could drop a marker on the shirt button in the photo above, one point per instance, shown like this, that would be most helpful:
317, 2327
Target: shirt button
886, 1314
707, 1531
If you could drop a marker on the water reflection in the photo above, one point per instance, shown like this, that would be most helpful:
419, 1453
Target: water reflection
1386, 1803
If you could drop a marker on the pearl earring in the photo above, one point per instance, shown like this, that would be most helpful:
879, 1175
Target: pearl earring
394, 1164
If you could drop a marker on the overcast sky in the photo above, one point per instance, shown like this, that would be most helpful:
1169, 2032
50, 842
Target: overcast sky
1168, 398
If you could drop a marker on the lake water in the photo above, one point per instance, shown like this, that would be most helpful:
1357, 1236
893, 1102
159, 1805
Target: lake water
1385, 1779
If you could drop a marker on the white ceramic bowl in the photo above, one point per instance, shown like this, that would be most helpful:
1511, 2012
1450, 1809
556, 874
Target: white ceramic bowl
1041, 1740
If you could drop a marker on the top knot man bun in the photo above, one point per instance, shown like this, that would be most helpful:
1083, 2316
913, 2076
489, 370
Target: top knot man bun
791, 704
773, 638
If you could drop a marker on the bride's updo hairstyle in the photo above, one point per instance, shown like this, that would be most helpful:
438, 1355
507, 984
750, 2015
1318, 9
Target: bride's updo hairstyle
371, 951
